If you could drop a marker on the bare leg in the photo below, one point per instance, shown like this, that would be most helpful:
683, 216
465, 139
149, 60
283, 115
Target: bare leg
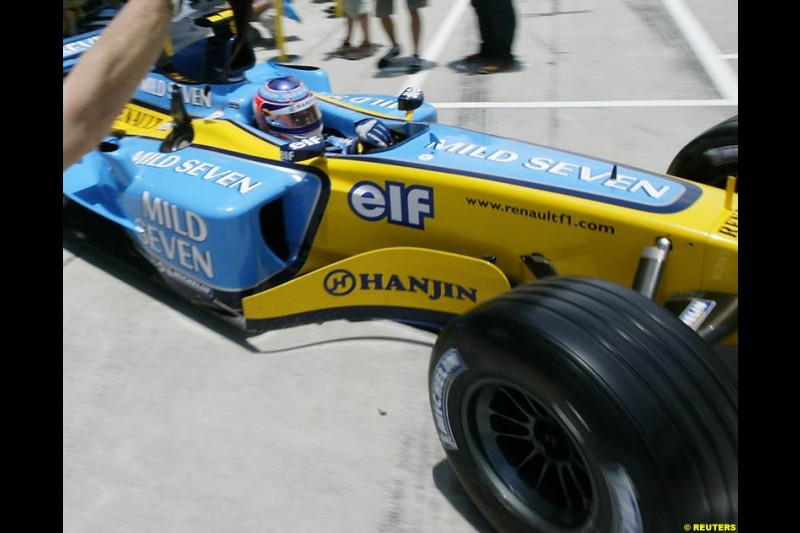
388, 26
349, 30
364, 19
416, 29
346, 44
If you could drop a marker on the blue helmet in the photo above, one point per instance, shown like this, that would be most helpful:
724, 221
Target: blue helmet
286, 108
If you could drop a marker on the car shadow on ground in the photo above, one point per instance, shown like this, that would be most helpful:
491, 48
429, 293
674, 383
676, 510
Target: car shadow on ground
444, 477
105, 246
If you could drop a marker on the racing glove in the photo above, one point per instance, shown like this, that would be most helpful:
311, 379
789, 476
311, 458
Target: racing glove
341, 145
373, 132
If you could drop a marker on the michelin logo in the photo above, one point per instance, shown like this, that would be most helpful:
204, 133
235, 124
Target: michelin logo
447, 370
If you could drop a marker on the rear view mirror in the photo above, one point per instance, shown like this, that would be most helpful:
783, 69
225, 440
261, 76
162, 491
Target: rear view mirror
410, 99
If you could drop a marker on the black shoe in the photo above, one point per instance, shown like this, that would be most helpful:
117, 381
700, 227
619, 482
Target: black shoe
415, 65
393, 52
476, 58
493, 66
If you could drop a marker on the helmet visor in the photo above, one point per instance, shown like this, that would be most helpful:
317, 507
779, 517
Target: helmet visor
303, 113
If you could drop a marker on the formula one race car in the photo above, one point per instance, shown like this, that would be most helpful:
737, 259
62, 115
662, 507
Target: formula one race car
576, 383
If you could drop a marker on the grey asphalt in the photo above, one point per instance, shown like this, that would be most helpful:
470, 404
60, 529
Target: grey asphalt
174, 422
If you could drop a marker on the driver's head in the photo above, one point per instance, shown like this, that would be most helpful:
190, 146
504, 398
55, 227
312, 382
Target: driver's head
286, 108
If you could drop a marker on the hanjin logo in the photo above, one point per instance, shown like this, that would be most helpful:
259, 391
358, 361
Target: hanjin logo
339, 282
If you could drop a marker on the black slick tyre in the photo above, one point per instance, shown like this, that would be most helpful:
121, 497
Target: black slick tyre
574, 404
710, 157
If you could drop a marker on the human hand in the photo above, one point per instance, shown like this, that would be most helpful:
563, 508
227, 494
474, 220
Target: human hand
374, 133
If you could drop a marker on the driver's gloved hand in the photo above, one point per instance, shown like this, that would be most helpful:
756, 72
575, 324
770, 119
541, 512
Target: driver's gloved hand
373, 132
341, 145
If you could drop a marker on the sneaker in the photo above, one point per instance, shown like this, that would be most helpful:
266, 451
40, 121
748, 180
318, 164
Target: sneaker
415, 65
476, 58
393, 52
494, 66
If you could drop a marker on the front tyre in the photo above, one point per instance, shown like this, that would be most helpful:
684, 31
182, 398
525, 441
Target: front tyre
574, 404
710, 157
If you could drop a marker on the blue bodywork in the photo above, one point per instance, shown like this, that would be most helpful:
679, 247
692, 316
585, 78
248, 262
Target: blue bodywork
224, 225
221, 238
246, 221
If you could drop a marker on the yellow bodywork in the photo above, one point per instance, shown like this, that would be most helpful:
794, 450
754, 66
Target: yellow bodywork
414, 278
480, 230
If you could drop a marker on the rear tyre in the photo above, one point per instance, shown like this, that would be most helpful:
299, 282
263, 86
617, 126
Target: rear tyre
574, 404
710, 157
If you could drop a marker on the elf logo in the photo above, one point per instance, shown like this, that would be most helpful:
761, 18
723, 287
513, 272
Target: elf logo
398, 203
308, 142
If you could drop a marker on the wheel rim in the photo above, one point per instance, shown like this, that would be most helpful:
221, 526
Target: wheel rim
527, 455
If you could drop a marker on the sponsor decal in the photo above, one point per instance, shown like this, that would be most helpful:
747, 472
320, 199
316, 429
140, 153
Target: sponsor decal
720, 265
730, 227
342, 282
294, 108
141, 119
303, 148
182, 278
397, 203
339, 282
77, 47
196, 96
372, 101
194, 167
174, 234
447, 370
573, 175
696, 312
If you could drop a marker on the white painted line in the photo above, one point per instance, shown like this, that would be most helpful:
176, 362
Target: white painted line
721, 74
577, 104
437, 43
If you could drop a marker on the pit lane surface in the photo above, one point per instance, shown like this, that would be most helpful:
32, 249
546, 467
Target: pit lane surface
173, 421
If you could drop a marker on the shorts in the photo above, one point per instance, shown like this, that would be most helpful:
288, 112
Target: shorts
354, 8
384, 8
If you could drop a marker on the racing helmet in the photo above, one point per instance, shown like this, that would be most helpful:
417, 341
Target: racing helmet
286, 108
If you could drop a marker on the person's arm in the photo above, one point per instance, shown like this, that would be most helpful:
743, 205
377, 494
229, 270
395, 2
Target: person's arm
259, 6
107, 74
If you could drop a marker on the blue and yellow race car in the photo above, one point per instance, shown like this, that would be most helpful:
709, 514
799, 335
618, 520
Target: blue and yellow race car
576, 383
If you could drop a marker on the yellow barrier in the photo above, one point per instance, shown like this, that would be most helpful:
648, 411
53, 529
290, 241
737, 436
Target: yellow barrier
279, 40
